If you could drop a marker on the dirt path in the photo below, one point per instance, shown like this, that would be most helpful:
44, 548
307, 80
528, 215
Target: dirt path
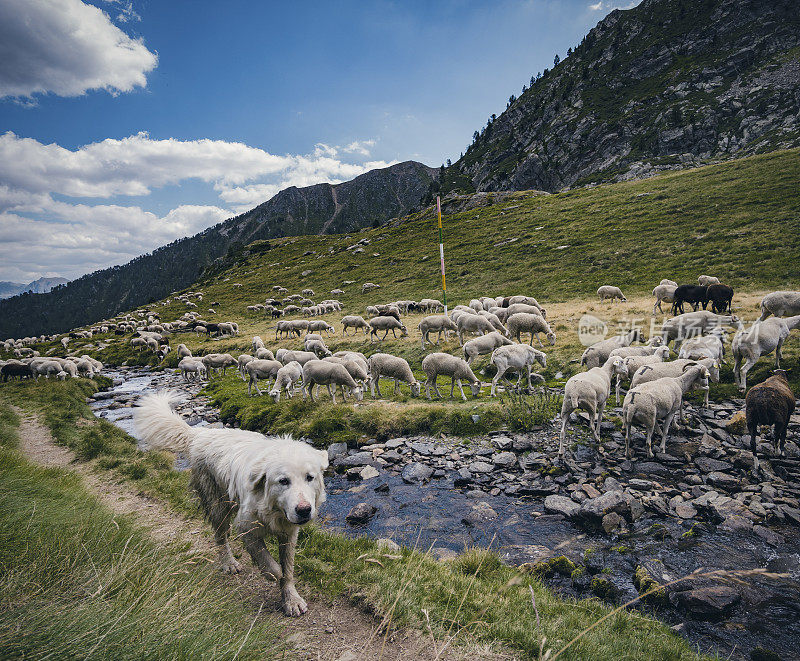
331, 631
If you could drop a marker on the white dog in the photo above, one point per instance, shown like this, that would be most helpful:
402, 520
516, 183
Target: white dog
261, 484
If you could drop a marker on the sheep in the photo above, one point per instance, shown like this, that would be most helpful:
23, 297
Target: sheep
769, 403
228, 328
86, 368
369, 286
69, 367
139, 342
15, 368
218, 361
707, 346
45, 368
608, 291
692, 324
286, 379
706, 280
484, 344
516, 357
473, 323
527, 300
520, 307
308, 292
392, 367
189, 365
264, 354
319, 348
675, 368
476, 305
438, 323
588, 391
694, 294
354, 321
447, 365
320, 325
242, 363
665, 292
431, 305
523, 322
665, 281
357, 368
385, 324
780, 304
286, 356
632, 363
183, 351
152, 344
260, 369
720, 296
660, 399
320, 372
762, 339
258, 343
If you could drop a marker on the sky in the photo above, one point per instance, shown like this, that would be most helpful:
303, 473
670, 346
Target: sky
125, 124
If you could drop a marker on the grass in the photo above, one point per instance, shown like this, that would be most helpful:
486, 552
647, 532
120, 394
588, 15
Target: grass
78, 582
474, 598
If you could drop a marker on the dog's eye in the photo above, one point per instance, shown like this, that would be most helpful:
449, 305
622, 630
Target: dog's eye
309, 478
285, 481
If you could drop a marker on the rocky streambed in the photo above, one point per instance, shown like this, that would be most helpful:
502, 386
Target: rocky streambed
592, 525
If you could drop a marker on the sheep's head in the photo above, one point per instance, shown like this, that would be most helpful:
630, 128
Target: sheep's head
551, 336
358, 393
475, 386
415, 388
275, 393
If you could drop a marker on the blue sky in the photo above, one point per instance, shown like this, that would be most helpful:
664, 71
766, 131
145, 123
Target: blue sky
126, 124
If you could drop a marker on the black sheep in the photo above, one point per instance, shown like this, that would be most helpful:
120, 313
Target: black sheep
721, 297
694, 294
769, 403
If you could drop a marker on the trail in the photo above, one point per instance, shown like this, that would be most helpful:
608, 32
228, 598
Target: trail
331, 631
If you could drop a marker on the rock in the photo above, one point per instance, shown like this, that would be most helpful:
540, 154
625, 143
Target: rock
503, 442
737, 424
416, 472
480, 467
421, 448
736, 524
368, 472
386, 544
612, 522
443, 554
707, 602
357, 459
504, 459
723, 480
594, 509
361, 513
481, 513
709, 465
792, 514
685, 511
561, 505
353, 474
652, 468
394, 443
589, 490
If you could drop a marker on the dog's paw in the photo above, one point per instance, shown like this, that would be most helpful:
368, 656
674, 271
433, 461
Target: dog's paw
293, 604
230, 566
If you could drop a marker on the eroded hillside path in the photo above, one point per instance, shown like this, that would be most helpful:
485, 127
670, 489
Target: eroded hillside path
333, 630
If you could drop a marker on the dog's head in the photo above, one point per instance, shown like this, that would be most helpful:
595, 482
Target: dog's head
291, 484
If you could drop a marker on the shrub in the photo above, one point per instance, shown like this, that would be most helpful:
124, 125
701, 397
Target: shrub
524, 412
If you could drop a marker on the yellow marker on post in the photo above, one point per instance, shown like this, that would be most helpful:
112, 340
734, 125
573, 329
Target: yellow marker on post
441, 251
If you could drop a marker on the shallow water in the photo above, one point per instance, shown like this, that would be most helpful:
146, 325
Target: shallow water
430, 516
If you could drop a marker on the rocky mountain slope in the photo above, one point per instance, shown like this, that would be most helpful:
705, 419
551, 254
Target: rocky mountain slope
367, 200
40, 286
665, 85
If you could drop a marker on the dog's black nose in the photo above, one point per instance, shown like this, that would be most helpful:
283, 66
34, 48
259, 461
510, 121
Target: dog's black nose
303, 511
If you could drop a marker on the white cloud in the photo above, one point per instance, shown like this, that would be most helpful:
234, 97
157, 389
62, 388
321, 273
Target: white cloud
359, 147
596, 7
68, 47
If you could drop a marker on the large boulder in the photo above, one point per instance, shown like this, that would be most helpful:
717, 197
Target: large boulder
561, 505
416, 472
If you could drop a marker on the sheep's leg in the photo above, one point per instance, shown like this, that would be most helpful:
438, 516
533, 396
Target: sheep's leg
460, 338
618, 388
667, 424
600, 410
743, 374
461, 388
396, 386
311, 391
651, 425
257, 390
627, 438
344, 394
452, 386
529, 377
386, 333
436, 388
539, 340
778, 354
562, 436
250, 387
428, 388
500, 372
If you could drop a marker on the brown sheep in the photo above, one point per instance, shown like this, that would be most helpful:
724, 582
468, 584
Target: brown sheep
769, 403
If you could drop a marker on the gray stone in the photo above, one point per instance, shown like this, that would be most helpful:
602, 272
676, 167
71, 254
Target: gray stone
708, 602
504, 459
561, 505
594, 509
481, 513
685, 511
368, 472
612, 522
723, 480
480, 467
361, 513
357, 459
416, 472
709, 465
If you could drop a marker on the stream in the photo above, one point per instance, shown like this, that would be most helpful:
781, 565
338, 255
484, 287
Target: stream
728, 618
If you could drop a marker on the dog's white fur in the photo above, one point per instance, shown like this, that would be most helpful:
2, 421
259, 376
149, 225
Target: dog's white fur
261, 484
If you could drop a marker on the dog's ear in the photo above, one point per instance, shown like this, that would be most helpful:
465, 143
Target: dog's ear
258, 480
324, 459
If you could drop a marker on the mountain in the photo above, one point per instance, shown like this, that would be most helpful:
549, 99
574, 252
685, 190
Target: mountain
666, 85
367, 200
40, 286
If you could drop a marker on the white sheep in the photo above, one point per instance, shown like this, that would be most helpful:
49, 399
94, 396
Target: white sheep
195, 366
286, 379
264, 354
706, 280
762, 339
318, 347
438, 323
354, 321
523, 322
516, 357
242, 363
675, 368
320, 326
692, 324
588, 391
457, 369
183, 351
527, 300
385, 324
431, 305
355, 366
494, 320
780, 304
657, 400
664, 293
598, 353
218, 361
320, 372
476, 305
484, 344
473, 323
258, 343
261, 369
609, 291
632, 363
705, 346
392, 367
287, 356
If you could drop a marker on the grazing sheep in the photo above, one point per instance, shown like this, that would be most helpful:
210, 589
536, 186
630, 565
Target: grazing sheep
369, 286
516, 357
769, 403
707, 346
657, 400
588, 391
514, 308
286, 379
261, 369
438, 323
45, 368
762, 339
385, 324
242, 363
608, 291
15, 369
692, 324
431, 305
631, 364
484, 344
258, 343
780, 304
218, 361
286, 356
139, 342
675, 368
494, 320
457, 369
473, 323
476, 305
320, 326
354, 321
523, 322
665, 292
694, 294
706, 280
392, 367
264, 354
527, 300
356, 367
665, 281
320, 372
720, 296
183, 351
319, 348
195, 366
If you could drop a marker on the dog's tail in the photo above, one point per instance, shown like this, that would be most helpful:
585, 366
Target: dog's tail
158, 427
